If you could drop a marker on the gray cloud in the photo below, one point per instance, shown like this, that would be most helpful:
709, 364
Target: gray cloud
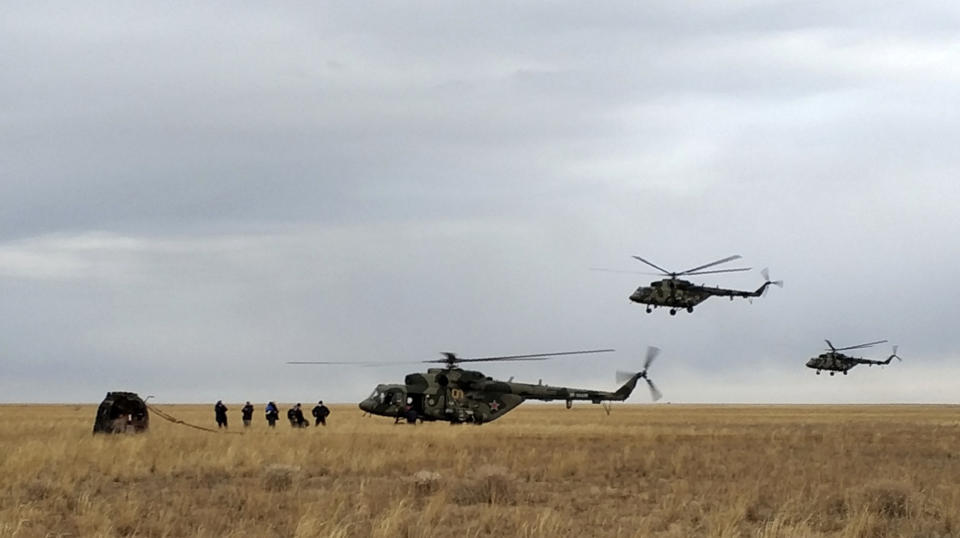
194, 194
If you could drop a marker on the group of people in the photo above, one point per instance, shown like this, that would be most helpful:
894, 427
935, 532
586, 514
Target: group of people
272, 413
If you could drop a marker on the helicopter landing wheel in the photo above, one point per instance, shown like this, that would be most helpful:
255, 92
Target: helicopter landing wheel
831, 373
690, 309
844, 372
649, 310
818, 372
673, 311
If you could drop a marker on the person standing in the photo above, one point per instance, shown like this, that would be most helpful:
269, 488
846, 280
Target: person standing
298, 421
292, 417
272, 414
247, 413
320, 413
220, 411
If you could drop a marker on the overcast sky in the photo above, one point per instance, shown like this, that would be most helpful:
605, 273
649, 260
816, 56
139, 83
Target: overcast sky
193, 194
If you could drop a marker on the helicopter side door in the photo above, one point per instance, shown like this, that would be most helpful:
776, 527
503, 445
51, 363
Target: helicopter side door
414, 407
459, 406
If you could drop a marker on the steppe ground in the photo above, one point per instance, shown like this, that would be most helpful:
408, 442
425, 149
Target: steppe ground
643, 470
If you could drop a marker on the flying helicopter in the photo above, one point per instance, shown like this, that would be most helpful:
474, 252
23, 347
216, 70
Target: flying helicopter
457, 396
834, 361
677, 293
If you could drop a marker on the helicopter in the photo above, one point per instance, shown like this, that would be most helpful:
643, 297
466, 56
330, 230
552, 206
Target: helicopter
834, 361
677, 293
458, 396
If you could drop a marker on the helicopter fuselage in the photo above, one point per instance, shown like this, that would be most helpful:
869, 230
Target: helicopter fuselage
466, 396
676, 293
832, 361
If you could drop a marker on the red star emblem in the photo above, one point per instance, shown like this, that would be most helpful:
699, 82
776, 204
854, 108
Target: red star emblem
494, 405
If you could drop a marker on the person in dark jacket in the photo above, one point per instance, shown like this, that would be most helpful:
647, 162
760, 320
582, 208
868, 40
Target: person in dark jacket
220, 411
247, 413
292, 417
296, 417
272, 414
320, 413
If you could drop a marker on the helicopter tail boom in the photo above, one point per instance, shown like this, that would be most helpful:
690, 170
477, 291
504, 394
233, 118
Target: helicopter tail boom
626, 390
870, 362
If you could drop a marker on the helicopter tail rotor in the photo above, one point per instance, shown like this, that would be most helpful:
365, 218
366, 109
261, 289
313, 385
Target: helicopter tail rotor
893, 356
655, 393
765, 272
652, 352
630, 378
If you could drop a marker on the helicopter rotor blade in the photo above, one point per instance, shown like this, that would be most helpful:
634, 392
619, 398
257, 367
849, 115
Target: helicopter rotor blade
654, 393
622, 271
655, 266
355, 363
711, 264
830, 345
451, 359
765, 272
455, 361
652, 352
739, 269
860, 346
532, 357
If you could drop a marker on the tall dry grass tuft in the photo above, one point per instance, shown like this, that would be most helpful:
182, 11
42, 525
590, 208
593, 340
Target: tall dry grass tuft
887, 499
279, 477
490, 484
674, 471
426, 482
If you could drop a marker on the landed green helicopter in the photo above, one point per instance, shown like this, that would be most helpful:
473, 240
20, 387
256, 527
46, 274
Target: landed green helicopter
834, 361
457, 396
676, 293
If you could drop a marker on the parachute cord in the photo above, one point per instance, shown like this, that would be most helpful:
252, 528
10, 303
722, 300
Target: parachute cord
175, 420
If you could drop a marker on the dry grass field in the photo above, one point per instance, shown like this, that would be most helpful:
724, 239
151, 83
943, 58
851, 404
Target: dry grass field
664, 470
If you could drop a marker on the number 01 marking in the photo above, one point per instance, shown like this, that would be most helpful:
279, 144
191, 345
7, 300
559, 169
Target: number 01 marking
456, 394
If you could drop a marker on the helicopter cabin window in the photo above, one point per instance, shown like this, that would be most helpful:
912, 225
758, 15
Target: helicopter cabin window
392, 397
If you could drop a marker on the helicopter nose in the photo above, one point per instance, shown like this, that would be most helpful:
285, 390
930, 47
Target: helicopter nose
366, 406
